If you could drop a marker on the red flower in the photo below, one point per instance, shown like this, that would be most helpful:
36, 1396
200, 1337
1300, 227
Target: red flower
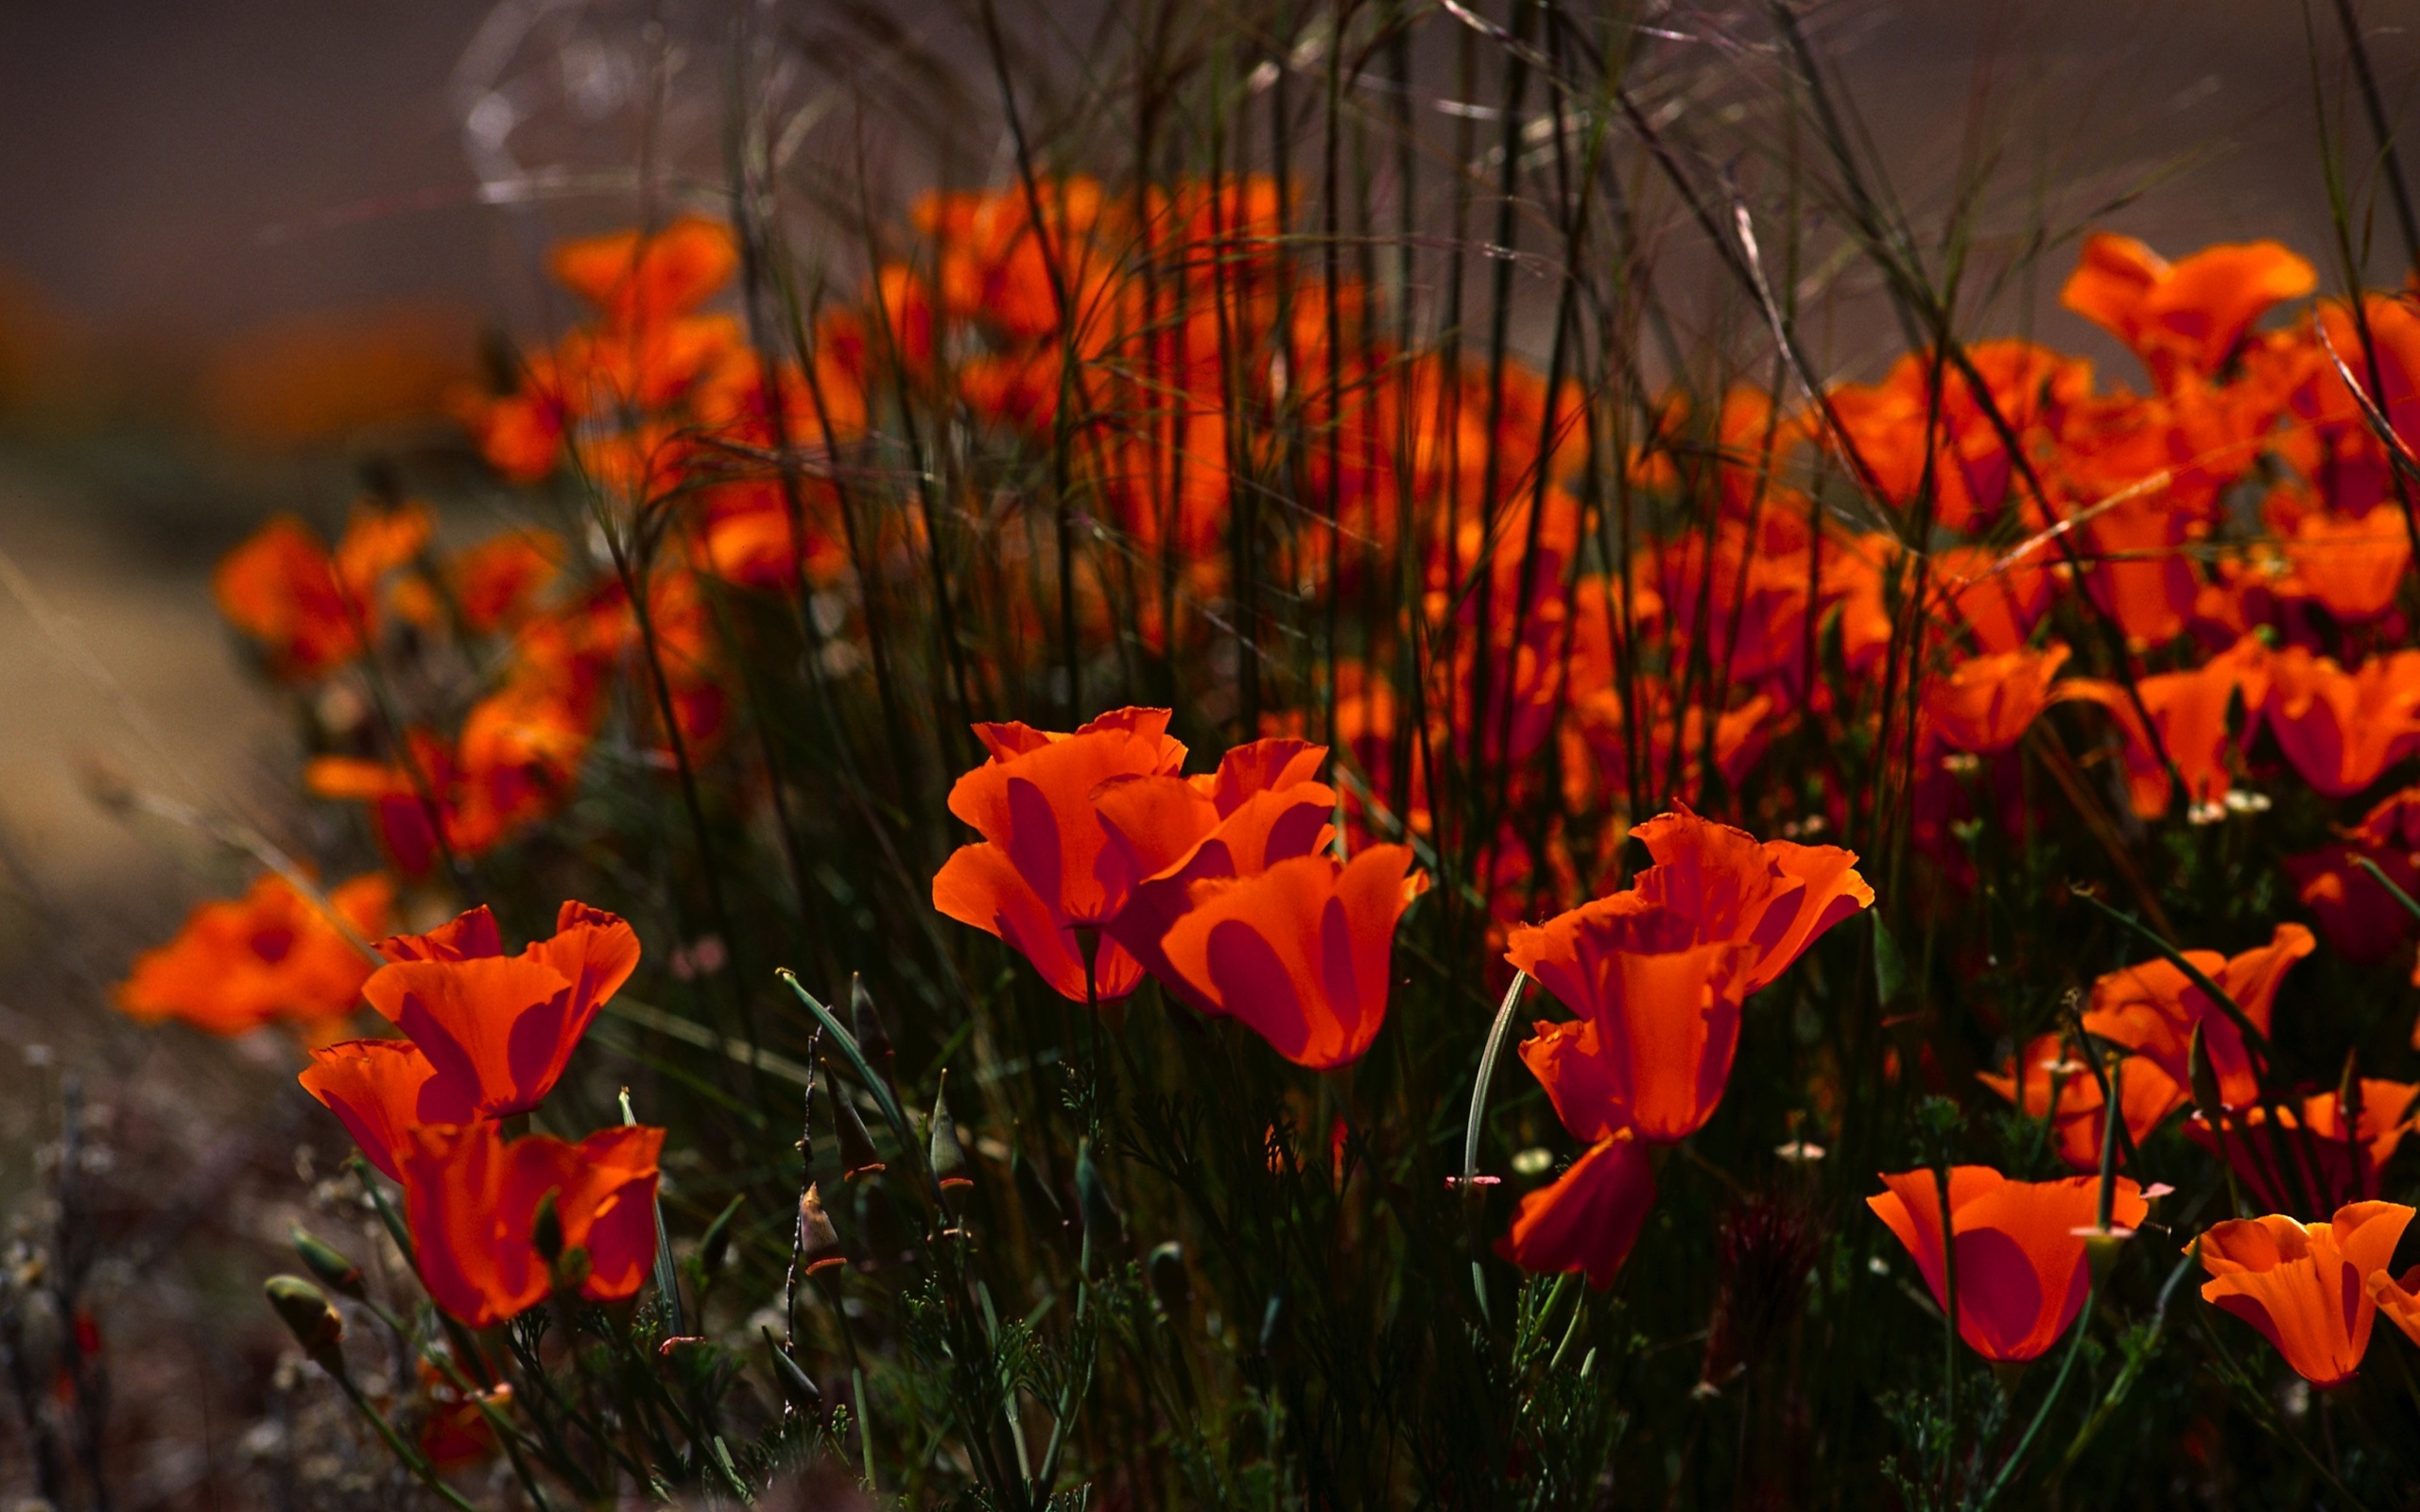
1653, 1049
239, 964
472, 1202
382, 1089
2186, 316
1300, 953
2306, 1286
2021, 1271
2147, 1094
1259, 808
1588, 1220
2341, 729
1776, 897
1985, 703
315, 610
1044, 867
2334, 1164
2153, 1008
502, 1027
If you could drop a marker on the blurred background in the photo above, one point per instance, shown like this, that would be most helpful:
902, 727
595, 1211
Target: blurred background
247, 246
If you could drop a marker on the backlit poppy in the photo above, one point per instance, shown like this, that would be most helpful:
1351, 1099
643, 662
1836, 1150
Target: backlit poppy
268, 955
2185, 316
2146, 1092
2306, 1286
313, 610
1776, 896
1046, 867
1589, 1217
471, 1201
2343, 730
1660, 1021
1984, 704
382, 1089
2153, 1008
500, 1026
1303, 953
2022, 1275
2281, 1168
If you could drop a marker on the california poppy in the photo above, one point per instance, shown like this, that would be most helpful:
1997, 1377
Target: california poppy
382, 1089
2185, 316
1044, 867
2146, 1093
2153, 1008
1776, 896
502, 1027
2343, 730
2189, 712
1660, 1021
1589, 1217
1259, 808
633, 276
313, 610
2352, 566
1984, 704
2331, 1163
471, 1201
2022, 1275
2306, 1286
1301, 953
241, 963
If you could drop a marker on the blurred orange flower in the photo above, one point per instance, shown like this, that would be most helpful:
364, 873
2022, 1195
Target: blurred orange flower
2185, 317
500, 1027
312, 610
2343, 730
1044, 867
1984, 704
472, 1202
2147, 1095
239, 964
2022, 1275
2306, 1286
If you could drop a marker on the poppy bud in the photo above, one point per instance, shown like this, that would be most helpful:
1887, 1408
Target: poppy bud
818, 1243
950, 1167
1171, 1286
1104, 1230
797, 1388
866, 1025
858, 1156
323, 1260
310, 1317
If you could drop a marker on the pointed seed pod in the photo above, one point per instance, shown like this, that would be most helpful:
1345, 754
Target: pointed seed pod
818, 1243
797, 1388
866, 1025
858, 1156
325, 1262
1171, 1286
1104, 1229
310, 1317
950, 1167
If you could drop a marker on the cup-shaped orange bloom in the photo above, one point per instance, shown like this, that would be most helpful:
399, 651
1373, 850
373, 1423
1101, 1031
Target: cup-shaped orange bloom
1589, 1217
2022, 1275
2152, 1010
2311, 1163
472, 1202
1046, 867
382, 1089
2147, 1094
1259, 808
2306, 1286
240, 963
635, 277
1983, 705
499, 1027
2189, 712
312, 610
2182, 318
2341, 729
2351, 566
1302, 953
1656, 1050
1776, 896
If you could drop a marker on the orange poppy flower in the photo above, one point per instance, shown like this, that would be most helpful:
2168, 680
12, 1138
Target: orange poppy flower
2343, 730
2147, 1095
1999, 601
1654, 1048
2306, 1286
382, 1089
312, 610
2190, 710
472, 1202
1983, 705
2351, 566
239, 964
1778, 895
1044, 867
1259, 808
496, 581
1301, 953
635, 277
502, 1027
2152, 1010
2330, 1166
2022, 1275
2186, 316
1589, 1218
